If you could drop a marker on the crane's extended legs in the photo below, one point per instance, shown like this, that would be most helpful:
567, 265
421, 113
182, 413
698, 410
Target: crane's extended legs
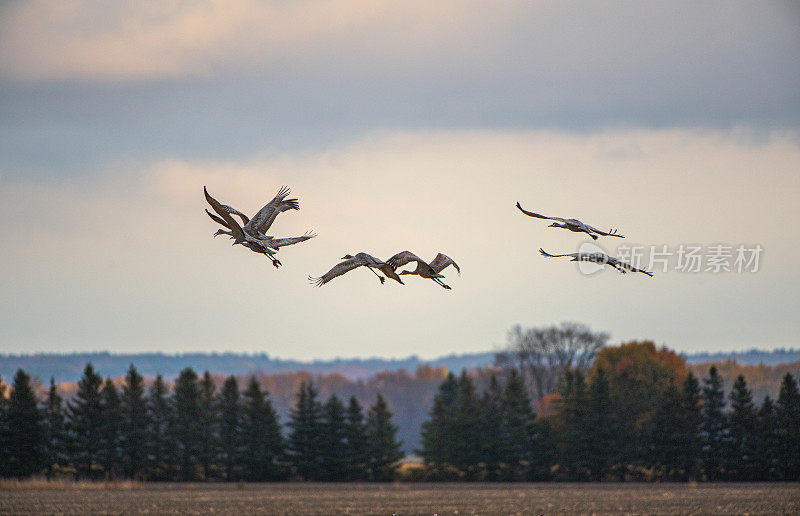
378, 275
437, 280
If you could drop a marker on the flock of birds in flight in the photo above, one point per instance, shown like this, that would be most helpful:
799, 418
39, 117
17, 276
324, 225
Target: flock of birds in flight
252, 233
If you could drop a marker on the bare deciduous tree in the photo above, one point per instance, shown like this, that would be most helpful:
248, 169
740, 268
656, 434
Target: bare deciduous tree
543, 354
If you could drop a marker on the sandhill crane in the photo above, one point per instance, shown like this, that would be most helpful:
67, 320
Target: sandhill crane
572, 224
352, 262
599, 258
253, 238
424, 269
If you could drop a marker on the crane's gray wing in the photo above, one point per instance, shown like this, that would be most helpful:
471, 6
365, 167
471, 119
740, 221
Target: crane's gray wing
402, 258
612, 233
266, 216
217, 219
441, 262
337, 270
231, 223
537, 215
619, 265
281, 242
545, 253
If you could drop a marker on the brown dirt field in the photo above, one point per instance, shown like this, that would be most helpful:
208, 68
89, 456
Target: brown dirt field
400, 498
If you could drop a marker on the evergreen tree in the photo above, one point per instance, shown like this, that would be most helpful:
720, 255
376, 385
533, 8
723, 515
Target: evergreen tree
689, 450
186, 430
109, 448
333, 452
438, 435
667, 434
355, 447
230, 426
208, 418
571, 415
600, 428
4, 445
714, 426
57, 456
741, 451
496, 441
26, 431
85, 423
305, 438
518, 428
768, 443
134, 425
788, 412
262, 442
160, 446
383, 449
467, 446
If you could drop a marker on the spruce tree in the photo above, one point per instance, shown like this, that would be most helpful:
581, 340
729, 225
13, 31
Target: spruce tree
355, 447
4, 447
160, 446
186, 430
230, 426
134, 425
438, 435
768, 443
208, 418
85, 423
690, 413
518, 428
666, 434
467, 446
26, 430
496, 441
788, 412
333, 452
305, 436
262, 444
383, 447
57, 456
740, 453
599, 428
571, 415
110, 449
714, 426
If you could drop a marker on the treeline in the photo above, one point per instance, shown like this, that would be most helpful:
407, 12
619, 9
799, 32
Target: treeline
637, 414
193, 432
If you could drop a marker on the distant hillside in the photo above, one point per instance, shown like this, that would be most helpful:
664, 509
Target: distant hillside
68, 367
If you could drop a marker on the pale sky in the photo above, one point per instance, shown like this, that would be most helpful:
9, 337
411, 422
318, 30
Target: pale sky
398, 126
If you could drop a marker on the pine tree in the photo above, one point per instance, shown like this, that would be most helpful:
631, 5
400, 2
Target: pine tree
305, 437
230, 426
518, 427
85, 423
26, 430
714, 426
788, 412
384, 449
110, 449
333, 453
496, 441
355, 447
768, 443
262, 441
599, 428
57, 456
208, 418
741, 444
159, 443
690, 413
186, 430
571, 415
134, 425
666, 434
467, 448
438, 435
4, 445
